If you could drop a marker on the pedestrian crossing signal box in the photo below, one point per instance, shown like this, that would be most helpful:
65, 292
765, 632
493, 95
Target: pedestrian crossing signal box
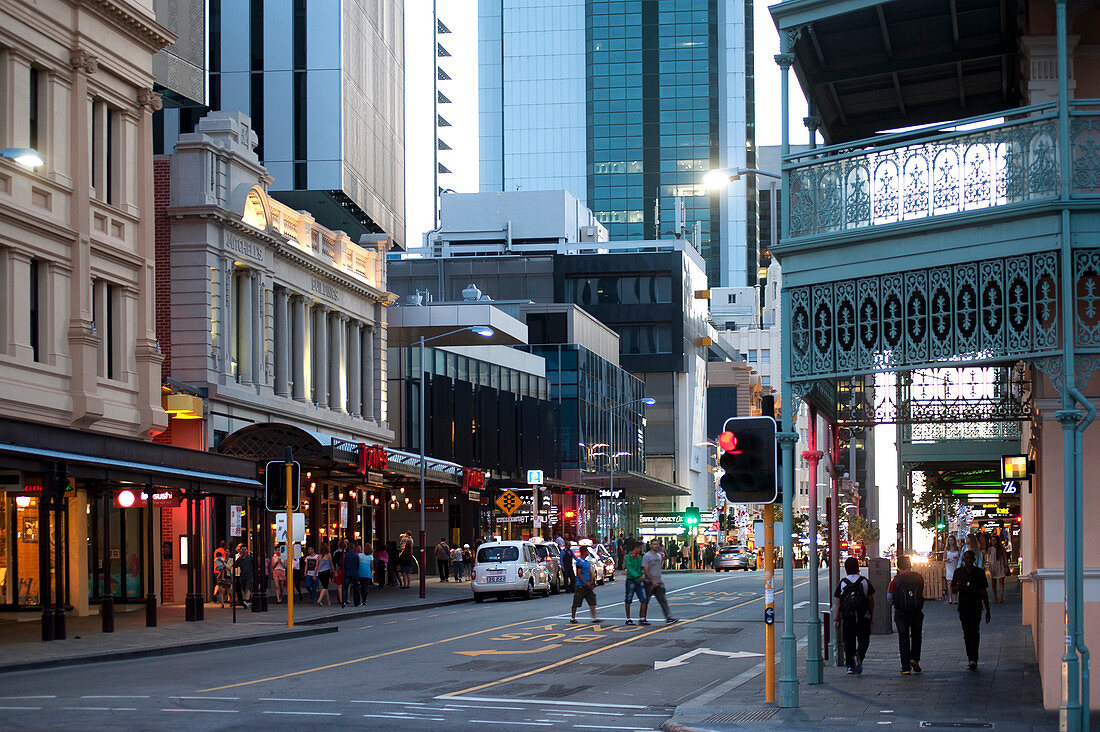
747, 457
275, 486
691, 517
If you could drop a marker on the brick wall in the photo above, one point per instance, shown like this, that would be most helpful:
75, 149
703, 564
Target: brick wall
167, 566
162, 239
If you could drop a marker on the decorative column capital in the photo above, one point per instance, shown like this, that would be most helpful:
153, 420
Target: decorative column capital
150, 99
812, 457
83, 59
787, 439
813, 122
341, 316
297, 298
784, 60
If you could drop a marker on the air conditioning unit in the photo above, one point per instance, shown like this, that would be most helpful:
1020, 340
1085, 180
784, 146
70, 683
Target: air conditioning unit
588, 233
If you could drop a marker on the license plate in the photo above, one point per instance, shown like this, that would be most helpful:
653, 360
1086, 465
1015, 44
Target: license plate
497, 578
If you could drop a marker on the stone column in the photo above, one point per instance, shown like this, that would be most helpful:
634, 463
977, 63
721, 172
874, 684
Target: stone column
299, 352
282, 343
337, 362
355, 373
259, 331
245, 364
367, 371
320, 356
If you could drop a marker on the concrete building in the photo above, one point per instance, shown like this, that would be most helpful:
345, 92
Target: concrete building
626, 105
323, 84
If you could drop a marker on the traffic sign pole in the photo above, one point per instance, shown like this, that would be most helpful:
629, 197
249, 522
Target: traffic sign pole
769, 603
289, 539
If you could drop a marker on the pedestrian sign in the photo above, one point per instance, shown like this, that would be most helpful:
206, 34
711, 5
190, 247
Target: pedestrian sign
509, 502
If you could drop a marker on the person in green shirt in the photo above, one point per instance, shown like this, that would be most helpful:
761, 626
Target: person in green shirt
634, 582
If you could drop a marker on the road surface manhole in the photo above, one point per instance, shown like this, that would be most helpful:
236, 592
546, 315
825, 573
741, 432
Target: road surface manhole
751, 715
957, 725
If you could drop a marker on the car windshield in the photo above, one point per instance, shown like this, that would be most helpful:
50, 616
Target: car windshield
498, 554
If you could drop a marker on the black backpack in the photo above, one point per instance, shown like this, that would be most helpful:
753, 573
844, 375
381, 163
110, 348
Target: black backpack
906, 596
853, 599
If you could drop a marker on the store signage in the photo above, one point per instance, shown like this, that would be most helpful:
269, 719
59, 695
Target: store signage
1009, 488
343, 514
235, 516
137, 499
535, 477
658, 519
605, 493
511, 519
473, 479
474, 495
378, 480
372, 457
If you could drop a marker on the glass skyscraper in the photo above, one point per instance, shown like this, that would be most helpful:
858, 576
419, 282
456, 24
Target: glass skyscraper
626, 103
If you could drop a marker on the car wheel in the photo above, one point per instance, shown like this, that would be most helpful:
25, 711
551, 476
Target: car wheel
479, 598
555, 586
530, 592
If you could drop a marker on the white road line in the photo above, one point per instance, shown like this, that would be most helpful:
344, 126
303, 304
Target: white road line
709, 696
602, 714
24, 709
600, 726
480, 706
403, 703
43, 696
323, 701
211, 698
204, 711
396, 716
497, 721
652, 715
311, 714
103, 709
116, 696
554, 702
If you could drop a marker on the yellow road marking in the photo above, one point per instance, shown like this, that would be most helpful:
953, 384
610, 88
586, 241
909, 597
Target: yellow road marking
631, 639
364, 658
491, 652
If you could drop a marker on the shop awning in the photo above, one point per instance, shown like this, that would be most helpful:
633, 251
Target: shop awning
34, 447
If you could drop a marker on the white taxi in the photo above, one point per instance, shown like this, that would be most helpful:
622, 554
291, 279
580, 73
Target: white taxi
508, 567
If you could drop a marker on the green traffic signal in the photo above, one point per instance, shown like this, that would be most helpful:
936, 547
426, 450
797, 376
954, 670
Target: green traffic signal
691, 516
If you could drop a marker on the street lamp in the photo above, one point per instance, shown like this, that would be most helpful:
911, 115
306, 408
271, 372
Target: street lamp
647, 401
719, 178
28, 157
484, 332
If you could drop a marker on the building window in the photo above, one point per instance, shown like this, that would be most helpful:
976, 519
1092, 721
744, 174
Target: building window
104, 152
765, 355
765, 380
32, 109
626, 290
752, 355
35, 312
105, 309
732, 299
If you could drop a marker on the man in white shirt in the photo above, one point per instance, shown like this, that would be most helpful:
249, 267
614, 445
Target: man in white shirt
654, 585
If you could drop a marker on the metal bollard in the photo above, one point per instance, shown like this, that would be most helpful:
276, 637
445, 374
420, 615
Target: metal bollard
107, 613
827, 628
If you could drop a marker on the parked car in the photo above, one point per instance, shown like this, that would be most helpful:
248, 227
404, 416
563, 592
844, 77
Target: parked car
502, 568
607, 559
549, 556
734, 557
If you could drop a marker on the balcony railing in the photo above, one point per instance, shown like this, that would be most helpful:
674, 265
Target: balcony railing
940, 171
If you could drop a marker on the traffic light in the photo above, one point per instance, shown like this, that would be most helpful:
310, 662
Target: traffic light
747, 457
275, 485
691, 517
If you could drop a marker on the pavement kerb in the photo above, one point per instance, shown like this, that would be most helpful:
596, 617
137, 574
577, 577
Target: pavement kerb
380, 611
170, 650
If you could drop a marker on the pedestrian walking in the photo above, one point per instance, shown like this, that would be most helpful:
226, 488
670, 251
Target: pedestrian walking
653, 583
278, 575
970, 585
338, 570
973, 545
366, 570
324, 574
405, 563
567, 569
685, 556
311, 573
242, 565
635, 584
906, 595
351, 576
585, 588
998, 568
854, 610
950, 564
221, 578
457, 567
442, 559
382, 559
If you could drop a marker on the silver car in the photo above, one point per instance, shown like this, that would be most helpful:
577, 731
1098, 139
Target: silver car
549, 556
734, 557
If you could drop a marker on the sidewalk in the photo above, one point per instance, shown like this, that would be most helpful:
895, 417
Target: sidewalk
21, 647
1004, 693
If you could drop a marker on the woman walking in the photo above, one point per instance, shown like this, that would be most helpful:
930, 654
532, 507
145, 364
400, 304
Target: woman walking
311, 574
973, 545
405, 562
382, 557
950, 564
278, 574
324, 574
998, 569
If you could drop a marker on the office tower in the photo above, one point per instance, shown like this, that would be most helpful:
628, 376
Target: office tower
626, 104
323, 84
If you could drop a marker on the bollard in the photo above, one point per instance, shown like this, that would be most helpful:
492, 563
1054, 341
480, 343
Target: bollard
827, 628
107, 613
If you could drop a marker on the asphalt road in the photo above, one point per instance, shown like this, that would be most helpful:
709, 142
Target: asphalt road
502, 665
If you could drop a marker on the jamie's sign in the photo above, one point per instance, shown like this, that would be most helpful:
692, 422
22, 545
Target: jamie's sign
372, 457
472, 479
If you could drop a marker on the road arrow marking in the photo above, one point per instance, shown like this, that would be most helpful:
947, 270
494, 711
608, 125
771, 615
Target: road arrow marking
491, 652
704, 602
683, 658
804, 603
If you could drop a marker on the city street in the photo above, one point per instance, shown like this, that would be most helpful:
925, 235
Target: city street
500, 665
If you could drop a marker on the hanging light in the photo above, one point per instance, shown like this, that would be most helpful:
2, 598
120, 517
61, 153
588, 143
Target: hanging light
22, 501
402, 489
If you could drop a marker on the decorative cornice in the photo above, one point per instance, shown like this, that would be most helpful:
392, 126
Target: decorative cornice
83, 59
149, 31
150, 99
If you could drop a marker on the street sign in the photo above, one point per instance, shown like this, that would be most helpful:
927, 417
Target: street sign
510, 519
235, 519
275, 485
509, 502
535, 477
299, 527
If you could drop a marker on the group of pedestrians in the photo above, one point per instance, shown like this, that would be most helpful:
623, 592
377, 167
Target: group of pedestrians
854, 610
452, 561
643, 580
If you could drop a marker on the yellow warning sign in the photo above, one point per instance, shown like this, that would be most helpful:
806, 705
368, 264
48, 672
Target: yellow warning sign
509, 502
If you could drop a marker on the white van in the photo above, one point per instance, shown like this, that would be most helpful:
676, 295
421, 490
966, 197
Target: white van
506, 567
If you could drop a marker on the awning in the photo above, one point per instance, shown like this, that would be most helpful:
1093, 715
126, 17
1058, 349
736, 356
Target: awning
33, 447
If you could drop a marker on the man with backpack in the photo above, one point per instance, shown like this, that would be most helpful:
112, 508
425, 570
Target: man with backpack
853, 611
906, 595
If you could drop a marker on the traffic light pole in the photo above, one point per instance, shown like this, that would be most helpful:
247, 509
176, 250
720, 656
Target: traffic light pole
769, 603
814, 671
289, 538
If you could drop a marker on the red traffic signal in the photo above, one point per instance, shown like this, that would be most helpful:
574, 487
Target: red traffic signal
727, 442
